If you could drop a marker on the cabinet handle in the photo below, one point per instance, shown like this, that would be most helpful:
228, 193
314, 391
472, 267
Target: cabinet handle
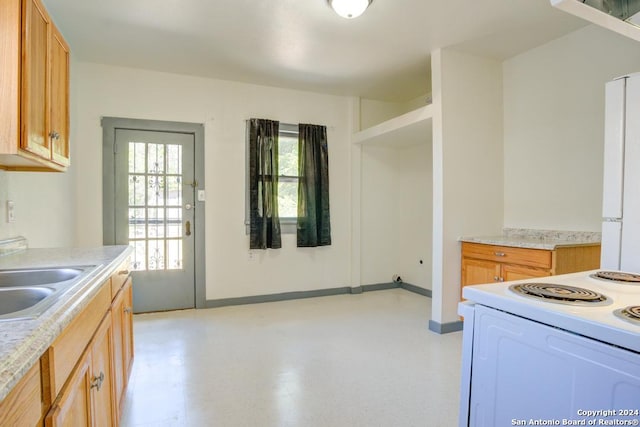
499, 254
496, 278
123, 272
502, 279
96, 382
54, 135
128, 309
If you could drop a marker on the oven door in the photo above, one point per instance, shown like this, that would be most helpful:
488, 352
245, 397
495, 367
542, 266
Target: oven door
524, 370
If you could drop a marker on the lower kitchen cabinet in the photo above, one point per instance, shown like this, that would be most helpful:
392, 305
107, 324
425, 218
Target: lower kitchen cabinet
24, 404
89, 364
73, 406
122, 332
86, 399
128, 328
482, 263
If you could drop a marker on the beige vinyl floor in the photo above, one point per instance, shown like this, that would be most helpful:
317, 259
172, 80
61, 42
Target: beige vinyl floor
347, 360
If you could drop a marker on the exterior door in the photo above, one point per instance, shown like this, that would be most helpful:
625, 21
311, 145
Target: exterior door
154, 213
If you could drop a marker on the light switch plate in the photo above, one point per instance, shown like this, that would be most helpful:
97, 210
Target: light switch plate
201, 195
11, 215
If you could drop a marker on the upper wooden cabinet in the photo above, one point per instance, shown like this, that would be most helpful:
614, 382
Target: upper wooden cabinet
34, 89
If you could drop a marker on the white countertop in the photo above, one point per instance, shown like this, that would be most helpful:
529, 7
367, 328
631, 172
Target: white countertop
22, 342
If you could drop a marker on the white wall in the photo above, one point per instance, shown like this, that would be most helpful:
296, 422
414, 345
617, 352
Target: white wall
554, 125
378, 214
396, 218
43, 207
414, 209
467, 165
223, 107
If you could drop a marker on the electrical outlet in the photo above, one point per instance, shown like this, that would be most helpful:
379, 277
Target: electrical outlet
11, 214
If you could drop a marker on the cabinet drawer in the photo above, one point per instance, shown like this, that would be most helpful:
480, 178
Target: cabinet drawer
532, 257
66, 350
119, 277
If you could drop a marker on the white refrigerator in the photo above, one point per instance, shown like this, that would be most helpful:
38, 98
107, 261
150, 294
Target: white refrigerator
621, 185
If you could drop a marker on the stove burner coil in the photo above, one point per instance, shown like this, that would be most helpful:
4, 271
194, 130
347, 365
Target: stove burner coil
558, 293
631, 313
617, 276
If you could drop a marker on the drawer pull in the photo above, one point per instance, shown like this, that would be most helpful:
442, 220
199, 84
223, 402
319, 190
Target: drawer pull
96, 382
128, 310
123, 272
502, 279
499, 254
496, 278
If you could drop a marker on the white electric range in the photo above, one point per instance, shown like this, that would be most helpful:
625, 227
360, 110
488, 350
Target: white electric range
529, 356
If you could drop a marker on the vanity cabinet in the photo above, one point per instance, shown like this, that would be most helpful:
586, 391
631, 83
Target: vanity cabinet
34, 89
482, 263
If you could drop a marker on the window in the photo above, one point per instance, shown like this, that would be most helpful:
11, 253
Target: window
288, 177
288, 173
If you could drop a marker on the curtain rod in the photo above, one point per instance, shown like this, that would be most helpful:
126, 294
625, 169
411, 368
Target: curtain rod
294, 124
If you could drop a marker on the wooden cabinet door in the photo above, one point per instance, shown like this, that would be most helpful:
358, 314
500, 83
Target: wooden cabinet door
117, 332
476, 271
101, 376
517, 272
73, 406
127, 328
23, 405
35, 79
59, 106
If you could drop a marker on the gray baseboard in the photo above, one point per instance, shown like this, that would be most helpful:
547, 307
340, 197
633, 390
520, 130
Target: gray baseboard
380, 286
445, 328
256, 299
416, 289
284, 296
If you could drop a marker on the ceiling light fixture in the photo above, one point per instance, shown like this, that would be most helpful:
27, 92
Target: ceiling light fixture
349, 8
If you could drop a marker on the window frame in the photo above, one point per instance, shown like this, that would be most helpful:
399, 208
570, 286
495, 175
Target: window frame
288, 225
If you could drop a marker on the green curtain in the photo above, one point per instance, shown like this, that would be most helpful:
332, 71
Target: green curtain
263, 184
314, 226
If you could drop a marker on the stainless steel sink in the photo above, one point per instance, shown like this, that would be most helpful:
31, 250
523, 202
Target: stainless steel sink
37, 277
26, 294
17, 299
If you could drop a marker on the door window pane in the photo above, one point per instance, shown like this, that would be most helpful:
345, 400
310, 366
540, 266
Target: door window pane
137, 222
155, 258
155, 223
174, 222
174, 254
136, 190
155, 182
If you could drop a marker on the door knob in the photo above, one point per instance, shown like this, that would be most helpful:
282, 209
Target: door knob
188, 206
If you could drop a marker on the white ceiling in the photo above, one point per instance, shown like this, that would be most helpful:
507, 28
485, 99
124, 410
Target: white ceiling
303, 44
